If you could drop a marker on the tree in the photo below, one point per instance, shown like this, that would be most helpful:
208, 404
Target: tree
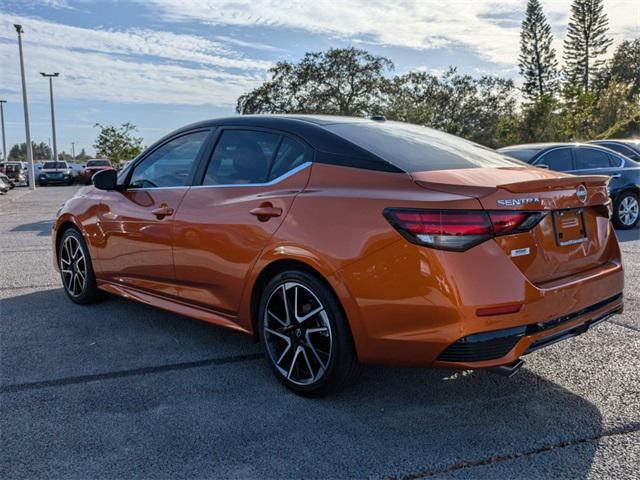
537, 60
624, 67
82, 156
586, 41
41, 151
455, 103
117, 143
341, 81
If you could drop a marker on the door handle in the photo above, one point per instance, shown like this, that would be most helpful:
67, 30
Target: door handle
266, 211
616, 175
162, 211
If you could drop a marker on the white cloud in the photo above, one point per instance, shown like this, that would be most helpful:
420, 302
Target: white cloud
132, 66
418, 24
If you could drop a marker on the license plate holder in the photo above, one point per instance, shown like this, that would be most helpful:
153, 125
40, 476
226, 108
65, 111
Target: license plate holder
569, 226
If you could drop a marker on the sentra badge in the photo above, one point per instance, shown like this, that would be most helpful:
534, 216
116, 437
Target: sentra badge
517, 202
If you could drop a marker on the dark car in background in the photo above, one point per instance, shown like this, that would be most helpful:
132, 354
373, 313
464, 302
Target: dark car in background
590, 159
55, 173
629, 148
92, 167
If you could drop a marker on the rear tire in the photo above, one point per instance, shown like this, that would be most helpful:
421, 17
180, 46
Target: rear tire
305, 335
626, 210
76, 269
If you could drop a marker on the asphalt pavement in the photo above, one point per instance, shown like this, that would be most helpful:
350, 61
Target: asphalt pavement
120, 390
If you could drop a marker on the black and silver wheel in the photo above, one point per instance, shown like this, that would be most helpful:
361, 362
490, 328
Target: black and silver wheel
305, 336
76, 269
626, 211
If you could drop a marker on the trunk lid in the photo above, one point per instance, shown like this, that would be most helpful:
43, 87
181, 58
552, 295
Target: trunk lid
573, 236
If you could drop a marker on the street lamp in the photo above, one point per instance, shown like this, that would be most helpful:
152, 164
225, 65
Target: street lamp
4, 137
51, 76
32, 176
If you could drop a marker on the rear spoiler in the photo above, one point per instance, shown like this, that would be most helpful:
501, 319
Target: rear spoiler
560, 183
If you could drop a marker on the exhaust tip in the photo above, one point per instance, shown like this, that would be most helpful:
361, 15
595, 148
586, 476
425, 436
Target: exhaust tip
508, 370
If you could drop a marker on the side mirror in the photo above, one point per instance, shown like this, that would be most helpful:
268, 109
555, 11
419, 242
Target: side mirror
106, 180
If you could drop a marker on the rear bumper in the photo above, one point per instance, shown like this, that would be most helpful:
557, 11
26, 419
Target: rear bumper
507, 345
409, 305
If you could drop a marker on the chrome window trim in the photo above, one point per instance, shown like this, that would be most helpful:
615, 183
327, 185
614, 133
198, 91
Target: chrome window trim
276, 180
282, 177
147, 189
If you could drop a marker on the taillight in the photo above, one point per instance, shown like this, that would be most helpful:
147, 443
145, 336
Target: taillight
458, 230
505, 222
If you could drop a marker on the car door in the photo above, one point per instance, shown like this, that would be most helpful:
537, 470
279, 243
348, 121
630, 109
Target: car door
247, 188
137, 222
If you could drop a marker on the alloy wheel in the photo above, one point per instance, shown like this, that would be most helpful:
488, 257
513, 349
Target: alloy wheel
73, 266
628, 210
297, 333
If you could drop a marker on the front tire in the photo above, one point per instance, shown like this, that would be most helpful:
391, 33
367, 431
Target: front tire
626, 211
305, 335
76, 269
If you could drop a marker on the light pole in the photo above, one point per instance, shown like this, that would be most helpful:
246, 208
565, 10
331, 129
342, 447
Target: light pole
4, 137
73, 150
51, 76
32, 174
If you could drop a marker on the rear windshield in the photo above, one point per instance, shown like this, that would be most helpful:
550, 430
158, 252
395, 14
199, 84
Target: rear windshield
54, 165
524, 154
98, 163
413, 148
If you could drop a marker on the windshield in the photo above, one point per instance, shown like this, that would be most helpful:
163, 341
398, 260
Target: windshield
525, 154
98, 163
54, 165
13, 167
413, 148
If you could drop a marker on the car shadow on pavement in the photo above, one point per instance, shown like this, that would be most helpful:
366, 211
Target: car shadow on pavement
628, 235
41, 229
393, 421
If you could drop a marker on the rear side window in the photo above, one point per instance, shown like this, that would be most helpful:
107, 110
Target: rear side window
558, 159
241, 157
588, 158
291, 154
413, 148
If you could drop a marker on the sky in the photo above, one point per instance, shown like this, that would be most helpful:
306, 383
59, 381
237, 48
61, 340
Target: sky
161, 64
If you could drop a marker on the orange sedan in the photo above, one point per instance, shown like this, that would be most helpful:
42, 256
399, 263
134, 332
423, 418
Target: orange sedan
344, 241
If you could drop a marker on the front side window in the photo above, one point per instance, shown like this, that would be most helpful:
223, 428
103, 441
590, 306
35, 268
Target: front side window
588, 158
558, 159
171, 164
242, 157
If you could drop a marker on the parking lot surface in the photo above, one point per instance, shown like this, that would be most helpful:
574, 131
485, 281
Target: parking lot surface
121, 389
